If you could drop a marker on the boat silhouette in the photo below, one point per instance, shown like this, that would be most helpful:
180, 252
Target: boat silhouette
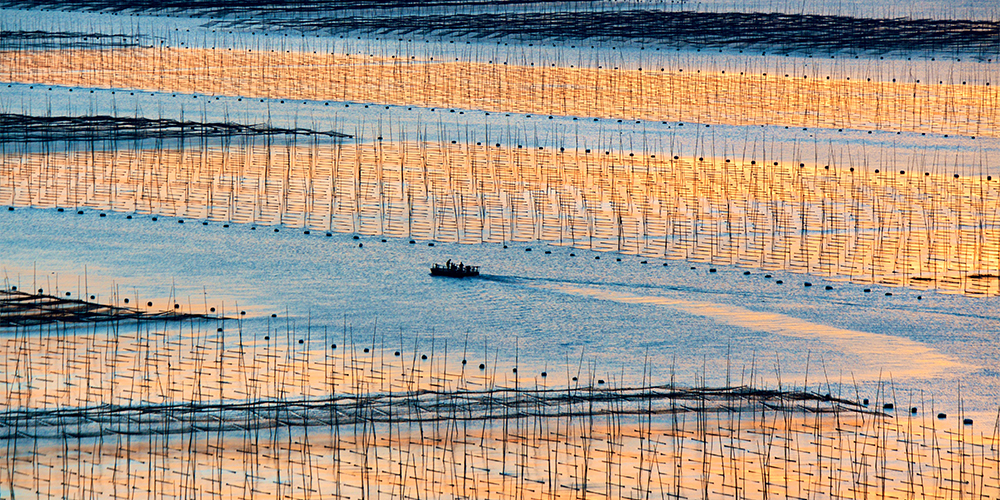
452, 270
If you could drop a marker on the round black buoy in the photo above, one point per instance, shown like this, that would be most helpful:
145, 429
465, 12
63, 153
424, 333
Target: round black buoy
482, 366
59, 210
464, 361
210, 310
301, 341
366, 349
545, 374
333, 346
967, 421
305, 232
412, 242
780, 282
356, 237
888, 294
527, 249
572, 255
149, 304
867, 290
913, 410
600, 381
423, 356
276, 230
942, 415
547, 252
430, 244
888, 406
177, 306
828, 287
746, 273
711, 270
808, 284
129, 217
397, 353
361, 245
767, 276
274, 315
515, 370
864, 401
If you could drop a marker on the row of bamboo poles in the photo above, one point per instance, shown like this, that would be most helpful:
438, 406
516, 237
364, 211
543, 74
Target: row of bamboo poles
168, 410
918, 229
777, 93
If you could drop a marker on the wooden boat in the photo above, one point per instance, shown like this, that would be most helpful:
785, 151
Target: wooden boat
452, 270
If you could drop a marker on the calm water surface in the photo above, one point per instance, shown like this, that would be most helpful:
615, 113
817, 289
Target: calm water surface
555, 312
550, 311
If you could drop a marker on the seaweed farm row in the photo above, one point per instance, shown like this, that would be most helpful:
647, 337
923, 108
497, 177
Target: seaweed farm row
786, 33
21, 309
17, 128
918, 229
790, 96
146, 410
670, 24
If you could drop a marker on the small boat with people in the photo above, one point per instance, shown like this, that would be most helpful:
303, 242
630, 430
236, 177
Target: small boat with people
451, 270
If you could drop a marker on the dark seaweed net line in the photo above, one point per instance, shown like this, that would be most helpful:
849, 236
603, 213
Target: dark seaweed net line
214, 8
49, 40
26, 128
577, 20
415, 406
21, 309
767, 31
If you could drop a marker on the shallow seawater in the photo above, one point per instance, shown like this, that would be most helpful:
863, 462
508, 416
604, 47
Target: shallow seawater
602, 318
341, 367
859, 148
548, 311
